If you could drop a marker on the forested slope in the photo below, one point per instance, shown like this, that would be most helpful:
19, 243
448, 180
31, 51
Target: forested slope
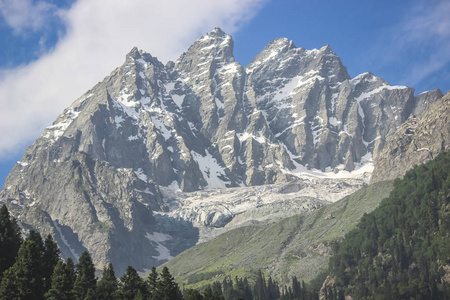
402, 249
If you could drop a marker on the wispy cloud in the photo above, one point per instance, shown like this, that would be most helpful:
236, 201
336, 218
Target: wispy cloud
25, 15
419, 45
98, 35
428, 24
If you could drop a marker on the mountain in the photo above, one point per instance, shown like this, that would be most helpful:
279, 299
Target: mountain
116, 172
302, 246
419, 139
298, 246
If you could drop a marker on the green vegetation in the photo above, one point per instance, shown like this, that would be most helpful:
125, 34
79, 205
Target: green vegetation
284, 249
10, 240
37, 272
402, 249
262, 289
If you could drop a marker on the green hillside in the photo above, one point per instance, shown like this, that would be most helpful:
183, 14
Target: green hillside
402, 249
297, 246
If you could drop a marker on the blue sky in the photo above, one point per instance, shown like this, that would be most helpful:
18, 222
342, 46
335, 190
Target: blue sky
45, 44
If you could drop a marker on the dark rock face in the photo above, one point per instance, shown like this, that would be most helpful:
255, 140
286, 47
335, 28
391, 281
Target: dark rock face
94, 178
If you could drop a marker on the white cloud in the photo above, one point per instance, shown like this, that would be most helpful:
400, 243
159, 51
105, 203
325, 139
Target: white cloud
99, 34
24, 15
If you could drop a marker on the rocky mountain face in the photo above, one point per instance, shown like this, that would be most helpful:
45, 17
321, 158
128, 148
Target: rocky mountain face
112, 172
418, 140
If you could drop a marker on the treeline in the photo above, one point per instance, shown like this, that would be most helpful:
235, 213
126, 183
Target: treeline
32, 269
402, 249
262, 289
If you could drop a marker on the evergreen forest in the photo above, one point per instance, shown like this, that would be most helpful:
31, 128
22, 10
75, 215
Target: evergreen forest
402, 249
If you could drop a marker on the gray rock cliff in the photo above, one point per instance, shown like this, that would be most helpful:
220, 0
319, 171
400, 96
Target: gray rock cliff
421, 138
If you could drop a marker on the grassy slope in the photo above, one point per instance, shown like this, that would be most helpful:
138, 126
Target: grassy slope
281, 249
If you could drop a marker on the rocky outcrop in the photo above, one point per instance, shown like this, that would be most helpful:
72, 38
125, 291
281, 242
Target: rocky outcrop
98, 177
418, 140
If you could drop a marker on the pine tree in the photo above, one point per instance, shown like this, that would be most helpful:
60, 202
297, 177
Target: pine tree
208, 293
62, 283
213, 293
167, 289
248, 291
216, 288
28, 268
85, 279
8, 286
296, 289
273, 290
227, 287
192, 294
152, 281
10, 240
50, 259
139, 296
131, 283
71, 273
90, 295
260, 287
107, 286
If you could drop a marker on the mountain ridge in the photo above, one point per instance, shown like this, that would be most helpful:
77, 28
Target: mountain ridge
97, 175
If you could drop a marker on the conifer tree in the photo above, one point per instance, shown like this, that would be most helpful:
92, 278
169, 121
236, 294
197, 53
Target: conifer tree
192, 294
261, 287
90, 295
8, 286
213, 293
248, 291
70, 269
107, 286
216, 288
62, 283
10, 240
167, 289
50, 259
85, 279
208, 293
139, 296
131, 283
152, 281
28, 268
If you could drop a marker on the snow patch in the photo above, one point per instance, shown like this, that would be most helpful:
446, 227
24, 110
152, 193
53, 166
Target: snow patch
333, 121
118, 120
140, 174
362, 169
334, 98
316, 129
293, 125
178, 99
210, 169
158, 238
57, 130
174, 186
158, 120
229, 68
